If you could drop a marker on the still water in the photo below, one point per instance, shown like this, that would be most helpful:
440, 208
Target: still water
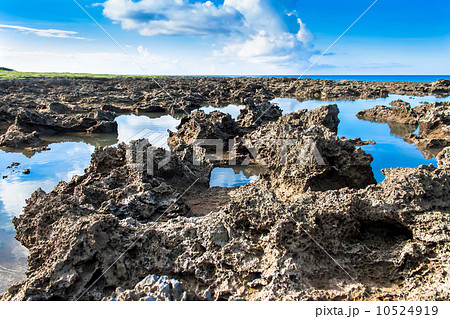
70, 155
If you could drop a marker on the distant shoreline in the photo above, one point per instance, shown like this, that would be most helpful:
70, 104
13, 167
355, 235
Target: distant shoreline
9, 74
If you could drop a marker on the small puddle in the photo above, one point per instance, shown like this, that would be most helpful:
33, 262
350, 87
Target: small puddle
231, 109
234, 176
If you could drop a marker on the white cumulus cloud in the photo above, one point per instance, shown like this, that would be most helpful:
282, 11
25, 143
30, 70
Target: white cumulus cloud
169, 17
249, 31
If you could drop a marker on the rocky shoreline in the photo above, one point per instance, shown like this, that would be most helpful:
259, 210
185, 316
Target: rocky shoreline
432, 120
34, 107
128, 231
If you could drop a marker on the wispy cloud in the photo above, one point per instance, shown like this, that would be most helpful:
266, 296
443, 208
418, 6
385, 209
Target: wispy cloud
49, 33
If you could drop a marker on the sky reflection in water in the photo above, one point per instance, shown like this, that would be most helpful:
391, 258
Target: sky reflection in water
70, 155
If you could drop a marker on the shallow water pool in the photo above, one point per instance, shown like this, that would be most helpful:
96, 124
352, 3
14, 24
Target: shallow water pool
390, 150
70, 155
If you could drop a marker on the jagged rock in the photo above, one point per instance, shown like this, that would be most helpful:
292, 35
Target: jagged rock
318, 160
303, 153
400, 112
180, 167
154, 288
124, 95
303, 231
16, 138
440, 87
326, 115
94, 122
443, 158
389, 239
434, 122
58, 108
358, 142
288, 127
252, 115
200, 127
400, 104
434, 128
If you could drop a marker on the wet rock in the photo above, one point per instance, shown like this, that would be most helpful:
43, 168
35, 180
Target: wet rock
93, 122
15, 137
112, 108
400, 112
104, 127
40, 149
358, 142
13, 165
26, 171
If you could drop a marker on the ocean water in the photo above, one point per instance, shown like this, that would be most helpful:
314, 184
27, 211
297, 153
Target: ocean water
70, 155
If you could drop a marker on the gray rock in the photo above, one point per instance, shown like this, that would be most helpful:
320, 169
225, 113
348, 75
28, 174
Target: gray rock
17, 138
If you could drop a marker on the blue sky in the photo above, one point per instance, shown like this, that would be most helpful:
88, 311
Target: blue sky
226, 37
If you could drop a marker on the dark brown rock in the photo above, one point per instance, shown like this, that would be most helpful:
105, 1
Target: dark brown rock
15, 137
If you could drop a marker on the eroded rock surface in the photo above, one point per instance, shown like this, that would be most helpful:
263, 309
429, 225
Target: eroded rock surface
443, 158
392, 240
154, 288
433, 121
15, 137
54, 100
314, 229
254, 114
211, 131
400, 112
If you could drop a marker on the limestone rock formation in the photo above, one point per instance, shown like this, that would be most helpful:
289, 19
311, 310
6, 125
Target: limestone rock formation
443, 158
15, 137
314, 229
254, 114
210, 131
153, 288
387, 242
400, 112
94, 122
433, 121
